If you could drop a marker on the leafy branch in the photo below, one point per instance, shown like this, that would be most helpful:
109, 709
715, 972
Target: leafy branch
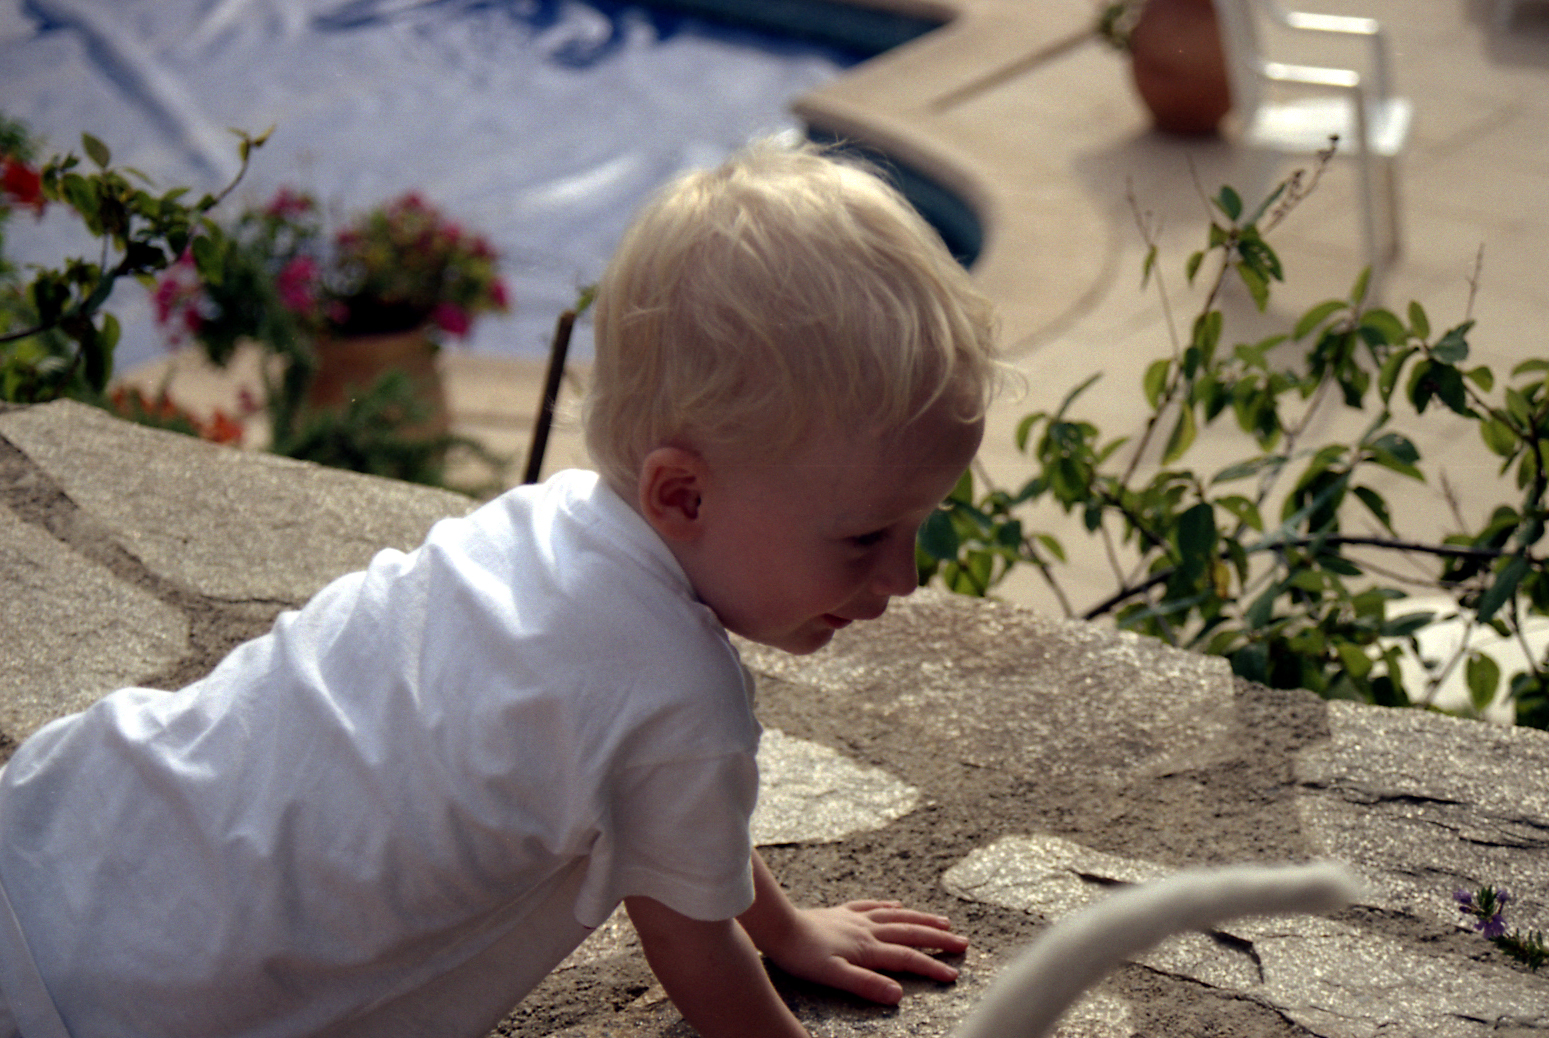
1285, 600
56, 338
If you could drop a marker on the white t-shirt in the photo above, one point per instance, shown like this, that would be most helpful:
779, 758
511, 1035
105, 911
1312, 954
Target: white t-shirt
401, 808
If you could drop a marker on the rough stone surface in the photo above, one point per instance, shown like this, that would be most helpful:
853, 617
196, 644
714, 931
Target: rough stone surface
965, 757
223, 522
73, 632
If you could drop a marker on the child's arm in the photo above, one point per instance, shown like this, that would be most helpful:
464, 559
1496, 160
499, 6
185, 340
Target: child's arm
712, 973
843, 946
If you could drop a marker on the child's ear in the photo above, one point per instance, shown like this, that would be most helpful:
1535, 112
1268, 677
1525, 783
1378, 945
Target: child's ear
672, 483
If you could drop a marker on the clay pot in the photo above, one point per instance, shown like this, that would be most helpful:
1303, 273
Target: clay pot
1179, 66
349, 365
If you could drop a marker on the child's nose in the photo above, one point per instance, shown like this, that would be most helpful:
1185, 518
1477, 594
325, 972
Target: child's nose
896, 573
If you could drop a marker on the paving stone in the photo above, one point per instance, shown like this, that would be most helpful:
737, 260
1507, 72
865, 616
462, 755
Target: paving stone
235, 525
72, 632
1125, 705
809, 793
1423, 804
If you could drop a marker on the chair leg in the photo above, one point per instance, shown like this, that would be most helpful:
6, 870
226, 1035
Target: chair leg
1374, 257
1395, 237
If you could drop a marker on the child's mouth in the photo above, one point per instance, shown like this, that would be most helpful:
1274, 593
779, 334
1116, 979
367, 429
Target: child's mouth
836, 622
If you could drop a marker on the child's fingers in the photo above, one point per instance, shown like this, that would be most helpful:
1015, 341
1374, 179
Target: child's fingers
863, 983
898, 958
917, 935
893, 913
870, 906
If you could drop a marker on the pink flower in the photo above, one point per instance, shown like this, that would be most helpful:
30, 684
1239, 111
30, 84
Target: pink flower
296, 284
177, 299
451, 318
165, 298
497, 295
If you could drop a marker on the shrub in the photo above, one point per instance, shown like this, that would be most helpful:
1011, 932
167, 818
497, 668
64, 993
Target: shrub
1280, 593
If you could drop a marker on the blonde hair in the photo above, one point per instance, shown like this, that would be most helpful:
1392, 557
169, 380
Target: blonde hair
784, 291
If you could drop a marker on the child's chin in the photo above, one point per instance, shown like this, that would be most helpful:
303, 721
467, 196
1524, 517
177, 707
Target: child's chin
800, 642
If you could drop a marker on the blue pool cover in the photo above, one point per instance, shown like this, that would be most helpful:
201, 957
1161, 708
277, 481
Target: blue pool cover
541, 123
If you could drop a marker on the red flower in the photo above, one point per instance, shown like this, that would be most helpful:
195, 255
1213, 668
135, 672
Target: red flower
222, 428
21, 185
497, 295
296, 284
287, 204
451, 318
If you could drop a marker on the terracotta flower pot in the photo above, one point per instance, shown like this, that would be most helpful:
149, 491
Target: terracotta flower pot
1179, 66
349, 365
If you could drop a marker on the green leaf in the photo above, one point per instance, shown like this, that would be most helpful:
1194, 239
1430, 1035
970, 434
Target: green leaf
1404, 626
1335, 563
1156, 380
1269, 200
1376, 506
1499, 437
1387, 377
1419, 325
1482, 377
1256, 283
1453, 347
938, 537
1484, 677
1503, 589
110, 331
1316, 316
1230, 203
1145, 268
1192, 266
96, 151
1071, 396
1025, 428
1182, 437
963, 492
1251, 467
207, 260
1245, 510
1384, 323
1197, 534
1207, 333
1358, 290
1529, 365
1354, 659
1262, 608
1388, 460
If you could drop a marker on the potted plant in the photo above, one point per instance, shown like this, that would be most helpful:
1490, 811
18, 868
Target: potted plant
354, 320
1176, 59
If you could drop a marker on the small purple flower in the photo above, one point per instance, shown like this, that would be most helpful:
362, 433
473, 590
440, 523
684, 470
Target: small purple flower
1501, 897
1464, 899
1493, 927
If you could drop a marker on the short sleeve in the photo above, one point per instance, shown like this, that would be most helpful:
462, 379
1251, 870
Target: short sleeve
677, 833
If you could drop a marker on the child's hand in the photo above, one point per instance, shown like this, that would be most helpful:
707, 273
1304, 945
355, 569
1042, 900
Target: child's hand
843, 946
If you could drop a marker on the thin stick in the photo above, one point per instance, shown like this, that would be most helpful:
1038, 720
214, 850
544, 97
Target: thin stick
556, 372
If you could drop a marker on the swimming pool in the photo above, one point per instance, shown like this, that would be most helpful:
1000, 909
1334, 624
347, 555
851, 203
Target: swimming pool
542, 123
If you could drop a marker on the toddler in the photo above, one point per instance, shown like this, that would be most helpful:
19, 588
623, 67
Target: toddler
396, 812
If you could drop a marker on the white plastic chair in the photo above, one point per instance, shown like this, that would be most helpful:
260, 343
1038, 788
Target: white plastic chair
1354, 104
